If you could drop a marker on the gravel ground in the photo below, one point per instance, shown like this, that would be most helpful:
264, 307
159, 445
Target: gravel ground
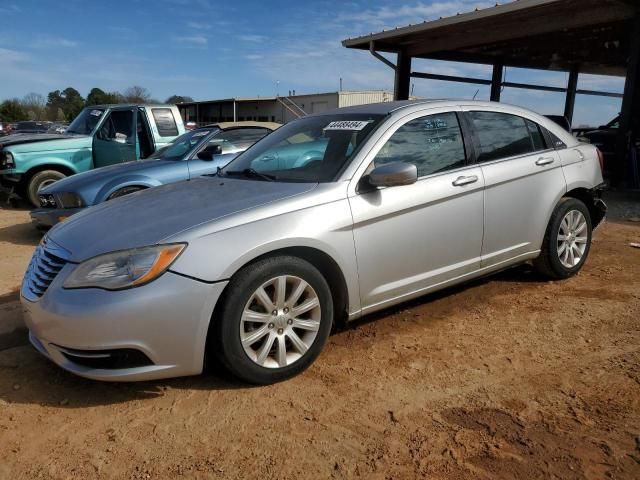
505, 377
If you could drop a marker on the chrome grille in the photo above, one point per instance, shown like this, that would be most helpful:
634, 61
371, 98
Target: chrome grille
42, 270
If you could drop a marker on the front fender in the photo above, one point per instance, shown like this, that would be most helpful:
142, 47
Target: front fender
217, 256
76, 161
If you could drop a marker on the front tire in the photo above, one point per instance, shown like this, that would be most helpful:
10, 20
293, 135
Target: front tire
40, 180
567, 240
275, 319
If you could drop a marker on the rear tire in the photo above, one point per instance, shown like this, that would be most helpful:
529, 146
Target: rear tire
567, 240
262, 336
40, 180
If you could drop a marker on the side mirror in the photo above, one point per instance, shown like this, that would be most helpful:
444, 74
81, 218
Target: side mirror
208, 152
394, 174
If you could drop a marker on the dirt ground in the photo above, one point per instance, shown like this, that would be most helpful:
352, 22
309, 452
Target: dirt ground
506, 377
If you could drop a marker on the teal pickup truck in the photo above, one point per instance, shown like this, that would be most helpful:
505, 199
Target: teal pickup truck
100, 135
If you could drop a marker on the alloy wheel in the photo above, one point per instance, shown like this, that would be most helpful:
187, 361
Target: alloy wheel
572, 238
280, 321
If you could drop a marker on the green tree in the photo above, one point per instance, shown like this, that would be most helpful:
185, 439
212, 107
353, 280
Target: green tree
12, 111
55, 102
73, 103
178, 99
98, 96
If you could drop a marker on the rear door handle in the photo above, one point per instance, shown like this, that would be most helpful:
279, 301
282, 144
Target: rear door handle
460, 181
544, 161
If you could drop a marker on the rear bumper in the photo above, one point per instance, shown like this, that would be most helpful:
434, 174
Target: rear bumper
48, 217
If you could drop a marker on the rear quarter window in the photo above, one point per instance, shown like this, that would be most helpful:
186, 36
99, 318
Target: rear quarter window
165, 122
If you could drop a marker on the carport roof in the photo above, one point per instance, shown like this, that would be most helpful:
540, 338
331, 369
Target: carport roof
543, 34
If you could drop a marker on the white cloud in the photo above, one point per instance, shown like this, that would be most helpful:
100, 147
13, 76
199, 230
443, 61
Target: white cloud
196, 40
11, 8
199, 25
50, 41
387, 17
252, 38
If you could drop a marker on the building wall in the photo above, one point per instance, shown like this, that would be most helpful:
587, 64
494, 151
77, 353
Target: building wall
349, 99
278, 110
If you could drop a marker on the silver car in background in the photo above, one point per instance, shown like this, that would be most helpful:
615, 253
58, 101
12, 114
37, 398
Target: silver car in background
331, 217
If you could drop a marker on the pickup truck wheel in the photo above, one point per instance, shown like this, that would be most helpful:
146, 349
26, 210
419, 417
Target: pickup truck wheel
40, 180
275, 319
567, 240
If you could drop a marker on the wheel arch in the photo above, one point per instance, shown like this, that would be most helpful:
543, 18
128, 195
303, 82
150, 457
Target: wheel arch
116, 184
588, 197
58, 167
327, 266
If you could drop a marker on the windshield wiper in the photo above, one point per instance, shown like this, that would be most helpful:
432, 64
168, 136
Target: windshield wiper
251, 173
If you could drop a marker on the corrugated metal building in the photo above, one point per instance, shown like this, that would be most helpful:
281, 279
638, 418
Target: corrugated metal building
276, 109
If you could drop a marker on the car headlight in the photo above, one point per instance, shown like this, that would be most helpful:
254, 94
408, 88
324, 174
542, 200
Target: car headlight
70, 200
126, 268
7, 160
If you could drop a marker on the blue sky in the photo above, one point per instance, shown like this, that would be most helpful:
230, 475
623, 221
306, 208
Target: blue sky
216, 49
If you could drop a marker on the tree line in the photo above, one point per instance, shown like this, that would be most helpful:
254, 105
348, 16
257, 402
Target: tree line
64, 106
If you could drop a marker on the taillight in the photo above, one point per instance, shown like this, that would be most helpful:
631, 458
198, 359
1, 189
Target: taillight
600, 159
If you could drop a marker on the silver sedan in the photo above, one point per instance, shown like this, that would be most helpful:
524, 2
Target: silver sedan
328, 218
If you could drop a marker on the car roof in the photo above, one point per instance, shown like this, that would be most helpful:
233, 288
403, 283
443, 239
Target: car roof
410, 106
230, 125
385, 108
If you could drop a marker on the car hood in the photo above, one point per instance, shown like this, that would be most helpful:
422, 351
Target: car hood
150, 216
41, 141
76, 183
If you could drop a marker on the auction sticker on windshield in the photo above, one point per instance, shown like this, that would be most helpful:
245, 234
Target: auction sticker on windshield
347, 125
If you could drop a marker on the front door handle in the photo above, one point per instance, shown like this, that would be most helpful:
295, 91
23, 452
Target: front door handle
544, 161
460, 181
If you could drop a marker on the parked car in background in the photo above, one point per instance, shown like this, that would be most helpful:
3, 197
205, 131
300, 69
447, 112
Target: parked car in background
100, 135
253, 266
604, 137
195, 153
57, 128
31, 127
190, 125
5, 129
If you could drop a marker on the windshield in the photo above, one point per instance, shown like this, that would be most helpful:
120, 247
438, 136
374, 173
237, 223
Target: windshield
183, 145
311, 149
85, 123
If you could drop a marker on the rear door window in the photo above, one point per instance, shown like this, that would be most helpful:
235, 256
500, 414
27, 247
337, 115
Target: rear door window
433, 143
500, 135
165, 122
536, 135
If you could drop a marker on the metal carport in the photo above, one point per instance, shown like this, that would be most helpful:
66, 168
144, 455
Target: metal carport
575, 36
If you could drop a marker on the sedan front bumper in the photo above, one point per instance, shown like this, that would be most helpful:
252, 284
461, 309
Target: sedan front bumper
158, 330
48, 217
